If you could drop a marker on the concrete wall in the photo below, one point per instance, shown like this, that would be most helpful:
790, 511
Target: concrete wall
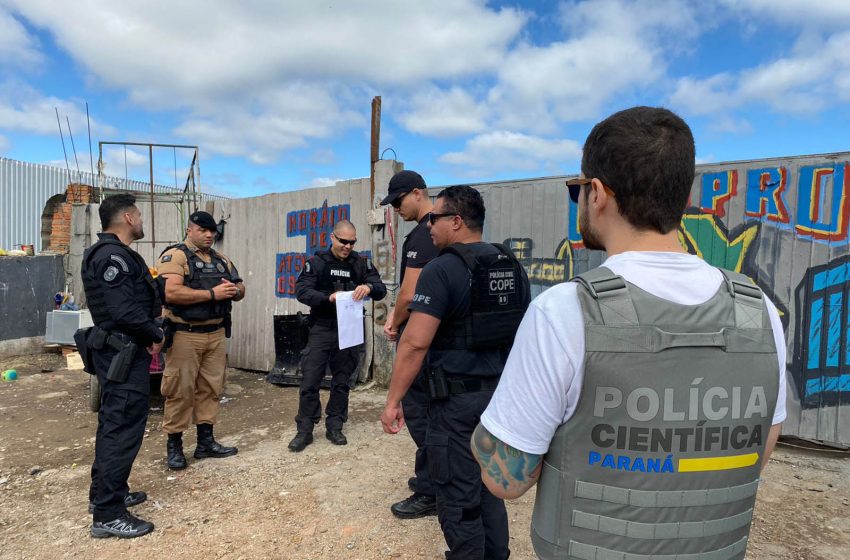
783, 222
27, 287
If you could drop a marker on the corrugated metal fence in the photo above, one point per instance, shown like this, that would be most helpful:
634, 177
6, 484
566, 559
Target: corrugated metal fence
25, 188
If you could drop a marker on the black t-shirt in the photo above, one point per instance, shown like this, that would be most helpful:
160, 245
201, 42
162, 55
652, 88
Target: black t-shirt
443, 291
418, 248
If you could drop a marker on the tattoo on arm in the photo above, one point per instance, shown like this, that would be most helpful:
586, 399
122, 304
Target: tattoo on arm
513, 470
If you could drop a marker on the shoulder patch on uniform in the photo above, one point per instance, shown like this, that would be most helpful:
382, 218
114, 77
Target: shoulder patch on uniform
307, 266
166, 258
110, 273
120, 260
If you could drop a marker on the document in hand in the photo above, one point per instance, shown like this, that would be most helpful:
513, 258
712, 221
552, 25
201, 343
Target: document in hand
349, 320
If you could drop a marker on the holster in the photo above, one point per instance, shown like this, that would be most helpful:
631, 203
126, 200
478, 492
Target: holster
168, 334
438, 388
85, 349
227, 323
119, 368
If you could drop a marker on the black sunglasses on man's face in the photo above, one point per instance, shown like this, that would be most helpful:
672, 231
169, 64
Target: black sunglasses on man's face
349, 242
397, 202
434, 216
574, 186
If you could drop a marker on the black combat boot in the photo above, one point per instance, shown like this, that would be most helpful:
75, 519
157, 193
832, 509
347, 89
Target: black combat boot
176, 459
209, 447
300, 441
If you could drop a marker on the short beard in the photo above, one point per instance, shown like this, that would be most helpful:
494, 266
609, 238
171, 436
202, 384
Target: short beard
138, 234
588, 236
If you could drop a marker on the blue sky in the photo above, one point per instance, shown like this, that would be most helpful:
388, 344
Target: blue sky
277, 95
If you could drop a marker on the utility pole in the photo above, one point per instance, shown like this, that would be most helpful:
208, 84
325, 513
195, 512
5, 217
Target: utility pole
376, 144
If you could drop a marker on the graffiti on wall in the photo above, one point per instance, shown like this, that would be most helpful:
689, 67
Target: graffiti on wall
732, 215
315, 225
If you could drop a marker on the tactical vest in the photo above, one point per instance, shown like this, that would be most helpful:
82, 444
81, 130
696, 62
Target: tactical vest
498, 302
94, 289
203, 276
661, 459
337, 276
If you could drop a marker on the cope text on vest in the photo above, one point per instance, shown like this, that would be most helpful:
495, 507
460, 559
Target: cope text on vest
501, 282
696, 407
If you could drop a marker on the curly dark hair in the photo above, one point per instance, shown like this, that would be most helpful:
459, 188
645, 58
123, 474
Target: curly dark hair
646, 155
467, 203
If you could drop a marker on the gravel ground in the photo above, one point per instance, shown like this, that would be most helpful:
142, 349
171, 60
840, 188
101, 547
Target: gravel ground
328, 502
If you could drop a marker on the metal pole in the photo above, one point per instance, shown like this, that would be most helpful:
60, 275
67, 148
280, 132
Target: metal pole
376, 141
198, 186
88, 124
58, 122
153, 212
73, 147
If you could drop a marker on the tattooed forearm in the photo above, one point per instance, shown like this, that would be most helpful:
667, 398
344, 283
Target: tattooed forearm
507, 471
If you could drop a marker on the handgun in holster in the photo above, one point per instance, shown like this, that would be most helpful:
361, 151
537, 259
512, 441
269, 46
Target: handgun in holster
119, 368
438, 388
227, 323
167, 334
85, 349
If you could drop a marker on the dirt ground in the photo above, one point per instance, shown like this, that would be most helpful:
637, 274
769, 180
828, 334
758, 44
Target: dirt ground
327, 502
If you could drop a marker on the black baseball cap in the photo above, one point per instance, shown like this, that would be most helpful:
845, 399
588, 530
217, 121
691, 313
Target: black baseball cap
403, 182
203, 219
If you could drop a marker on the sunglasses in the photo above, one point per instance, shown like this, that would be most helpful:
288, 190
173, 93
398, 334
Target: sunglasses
433, 217
397, 202
349, 242
574, 186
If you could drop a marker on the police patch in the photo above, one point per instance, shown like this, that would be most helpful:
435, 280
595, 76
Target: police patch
110, 273
166, 258
121, 262
307, 266
219, 267
199, 264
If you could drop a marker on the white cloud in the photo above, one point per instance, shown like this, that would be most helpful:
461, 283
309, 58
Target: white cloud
808, 81
25, 109
322, 182
17, 47
831, 13
610, 48
730, 125
498, 151
197, 52
133, 163
444, 113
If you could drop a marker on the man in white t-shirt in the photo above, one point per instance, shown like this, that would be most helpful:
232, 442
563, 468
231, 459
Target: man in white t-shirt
637, 171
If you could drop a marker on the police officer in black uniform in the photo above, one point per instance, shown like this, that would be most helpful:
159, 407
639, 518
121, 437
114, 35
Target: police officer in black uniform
468, 303
408, 194
124, 301
339, 269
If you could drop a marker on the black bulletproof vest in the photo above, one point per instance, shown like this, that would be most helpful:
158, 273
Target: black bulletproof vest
94, 288
338, 276
202, 276
498, 301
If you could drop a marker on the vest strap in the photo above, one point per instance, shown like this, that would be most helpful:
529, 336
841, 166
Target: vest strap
749, 304
656, 531
649, 339
674, 499
611, 294
583, 551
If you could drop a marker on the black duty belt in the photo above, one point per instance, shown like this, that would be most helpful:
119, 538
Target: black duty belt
196, 328
461, 385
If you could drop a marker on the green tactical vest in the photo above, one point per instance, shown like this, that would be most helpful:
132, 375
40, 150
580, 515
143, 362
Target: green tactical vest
661, 459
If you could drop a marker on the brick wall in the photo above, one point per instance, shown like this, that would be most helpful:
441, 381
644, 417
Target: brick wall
60, 231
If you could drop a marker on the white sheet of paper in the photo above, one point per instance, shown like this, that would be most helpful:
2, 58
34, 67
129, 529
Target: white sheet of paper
349, 320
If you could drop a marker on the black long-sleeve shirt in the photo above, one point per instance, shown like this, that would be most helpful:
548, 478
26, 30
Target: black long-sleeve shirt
313, 287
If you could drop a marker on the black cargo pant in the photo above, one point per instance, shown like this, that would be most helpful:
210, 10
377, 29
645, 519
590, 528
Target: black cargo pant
323, 348
415, 406
474, 522
120, 429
